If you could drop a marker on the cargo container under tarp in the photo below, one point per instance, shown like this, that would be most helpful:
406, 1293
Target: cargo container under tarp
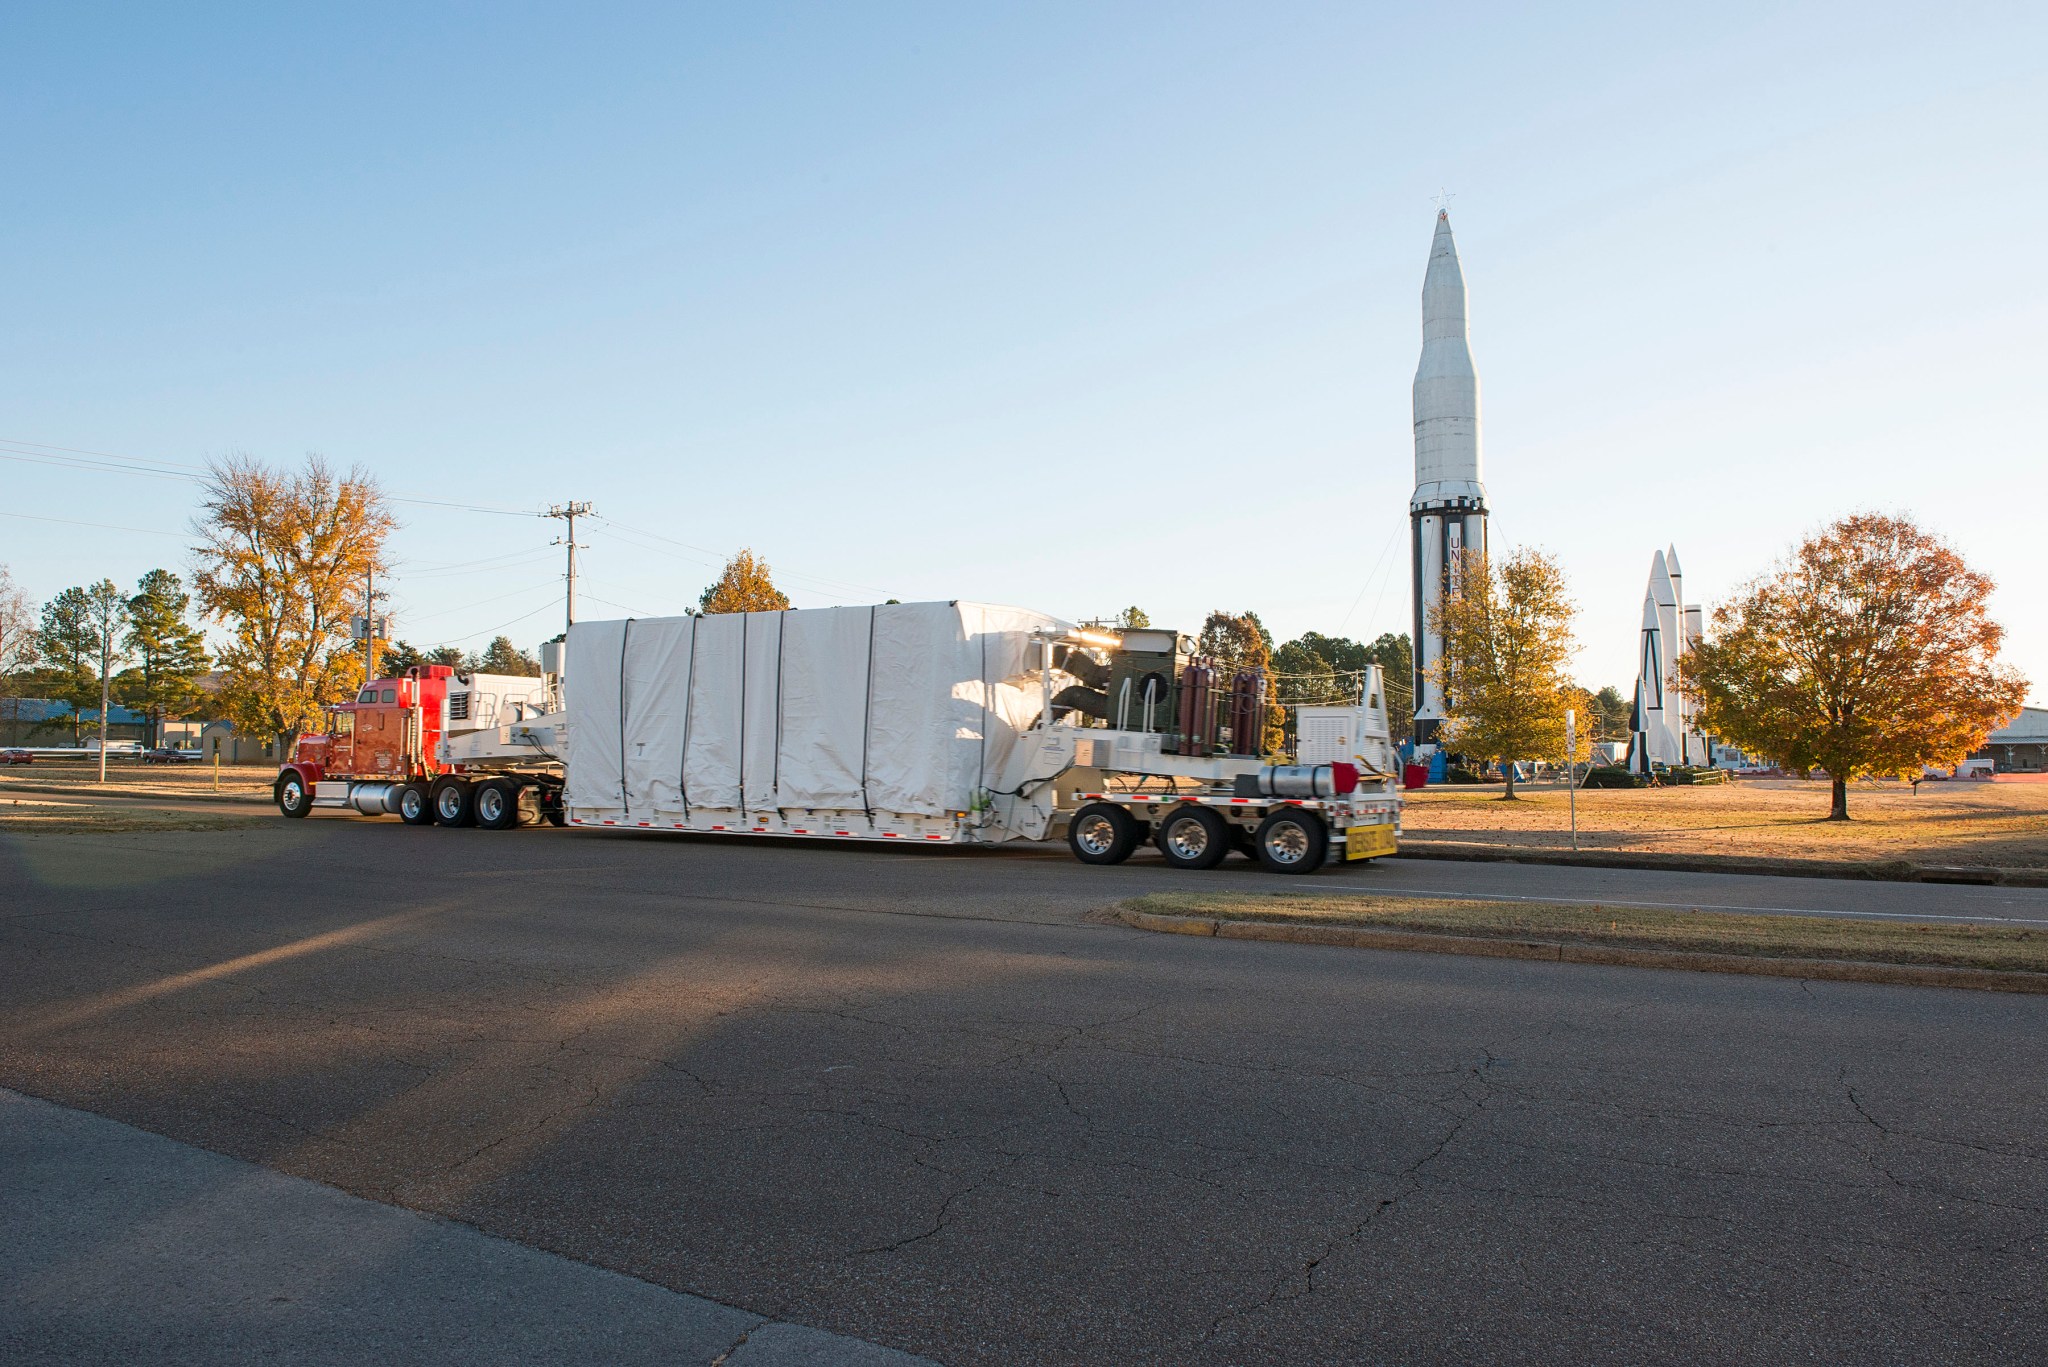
891, 721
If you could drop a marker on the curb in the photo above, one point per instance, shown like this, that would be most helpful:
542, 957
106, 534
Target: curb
1569, 952
1883, 871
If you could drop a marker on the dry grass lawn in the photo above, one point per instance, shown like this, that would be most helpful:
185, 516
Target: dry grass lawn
1998, 824
29, 816
128, 778
1797, 937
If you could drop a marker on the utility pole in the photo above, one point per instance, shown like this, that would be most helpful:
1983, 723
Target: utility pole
369, 624
106, 686
569, 512
1571, 769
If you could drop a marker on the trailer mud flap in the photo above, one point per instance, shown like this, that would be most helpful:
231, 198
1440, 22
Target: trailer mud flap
1368, 842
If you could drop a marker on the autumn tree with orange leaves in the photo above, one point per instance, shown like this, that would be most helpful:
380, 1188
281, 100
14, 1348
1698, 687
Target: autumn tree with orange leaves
1868, 652
281, 559
746, 586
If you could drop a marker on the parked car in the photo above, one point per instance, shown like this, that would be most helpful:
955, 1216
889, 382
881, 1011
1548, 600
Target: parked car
166, 754
16, 757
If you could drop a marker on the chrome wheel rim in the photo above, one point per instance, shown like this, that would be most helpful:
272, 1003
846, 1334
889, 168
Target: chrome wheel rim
410, 802
293, 794
449, 804
1287, 843
490, 805
1187, 838
1095, 834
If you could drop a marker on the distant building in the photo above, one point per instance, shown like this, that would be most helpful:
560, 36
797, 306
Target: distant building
218, 739
45, 721
2020, 746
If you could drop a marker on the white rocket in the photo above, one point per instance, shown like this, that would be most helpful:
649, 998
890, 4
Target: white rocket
1663, 729
1447, 512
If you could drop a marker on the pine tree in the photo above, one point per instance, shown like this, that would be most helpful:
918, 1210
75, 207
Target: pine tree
502, 657
69, 648
744, 587
169, 652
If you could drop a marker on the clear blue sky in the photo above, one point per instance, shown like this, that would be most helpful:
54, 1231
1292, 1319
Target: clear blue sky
1066, 306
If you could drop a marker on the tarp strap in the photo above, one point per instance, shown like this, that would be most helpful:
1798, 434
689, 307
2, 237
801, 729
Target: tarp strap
775, 773
745, 618
981, 768
689, 699
625, 797
867, 716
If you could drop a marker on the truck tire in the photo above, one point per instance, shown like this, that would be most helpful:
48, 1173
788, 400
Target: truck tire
497, 804
1293, 841
1102, 833
1193, 838
415, 805
292, 797
454, 803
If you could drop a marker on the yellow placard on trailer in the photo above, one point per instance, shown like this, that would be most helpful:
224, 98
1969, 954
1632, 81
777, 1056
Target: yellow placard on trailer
1369, 842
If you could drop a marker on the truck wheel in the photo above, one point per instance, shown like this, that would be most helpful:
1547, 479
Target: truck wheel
1102, 833
292, 797
1194, 838
454, 804
497, 804
1292, 841
415, 808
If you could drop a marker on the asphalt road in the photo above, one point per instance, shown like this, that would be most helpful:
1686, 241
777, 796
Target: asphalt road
916, 1098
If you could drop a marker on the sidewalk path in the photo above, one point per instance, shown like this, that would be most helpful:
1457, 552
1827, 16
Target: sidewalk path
125, 1247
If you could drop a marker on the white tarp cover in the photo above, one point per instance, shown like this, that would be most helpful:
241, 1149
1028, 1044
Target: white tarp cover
908, 708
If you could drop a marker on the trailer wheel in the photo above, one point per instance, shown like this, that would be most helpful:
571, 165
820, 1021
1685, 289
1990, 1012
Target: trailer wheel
454, 804
497, 804
1194, 838
414, 808
291, 795
1292, 841
1102, 833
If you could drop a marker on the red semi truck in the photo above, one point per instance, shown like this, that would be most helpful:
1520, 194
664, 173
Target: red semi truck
380, 754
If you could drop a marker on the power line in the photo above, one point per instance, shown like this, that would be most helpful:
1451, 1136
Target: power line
719, 558
104, 526
105, 462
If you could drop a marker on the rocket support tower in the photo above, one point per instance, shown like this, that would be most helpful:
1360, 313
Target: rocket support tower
1447, 513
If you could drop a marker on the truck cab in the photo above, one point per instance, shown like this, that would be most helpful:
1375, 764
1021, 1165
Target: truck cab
379, 753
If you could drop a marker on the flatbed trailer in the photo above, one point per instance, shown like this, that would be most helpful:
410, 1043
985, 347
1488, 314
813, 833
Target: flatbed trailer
940, 723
